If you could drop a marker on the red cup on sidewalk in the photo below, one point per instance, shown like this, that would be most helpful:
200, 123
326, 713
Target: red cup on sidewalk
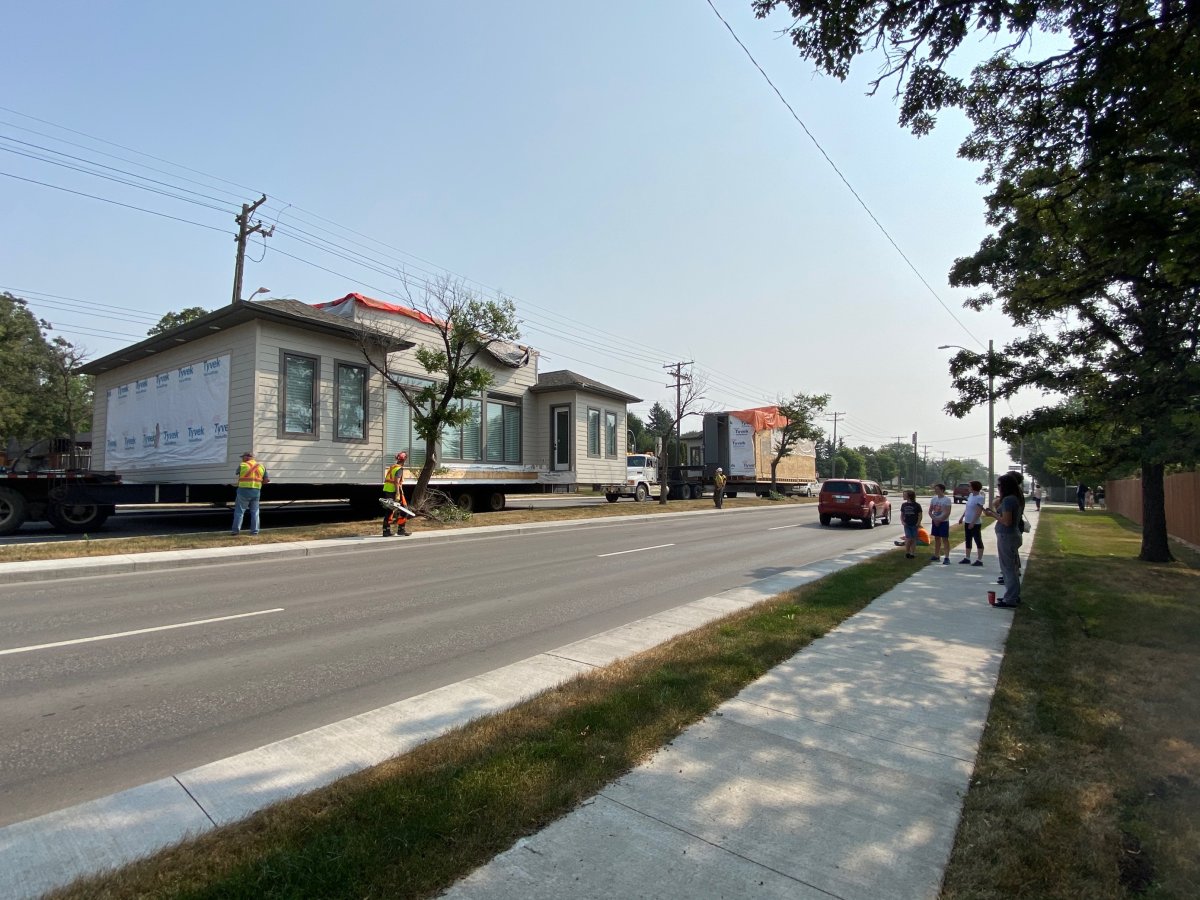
991, 598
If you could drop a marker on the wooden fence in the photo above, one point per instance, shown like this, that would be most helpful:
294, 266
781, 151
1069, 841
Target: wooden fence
1182, 501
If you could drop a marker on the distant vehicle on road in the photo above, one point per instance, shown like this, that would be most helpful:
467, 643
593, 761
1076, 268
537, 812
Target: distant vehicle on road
852, 498
812, 489
961, 491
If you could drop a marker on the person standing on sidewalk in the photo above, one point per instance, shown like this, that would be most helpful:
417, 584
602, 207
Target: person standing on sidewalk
940, 507
1008, 537
910, 518
251, 476
972, 521
1036, 494
719, 488
1081, 493
393, 490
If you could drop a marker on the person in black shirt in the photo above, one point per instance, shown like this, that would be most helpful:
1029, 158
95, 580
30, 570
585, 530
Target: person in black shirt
910, 518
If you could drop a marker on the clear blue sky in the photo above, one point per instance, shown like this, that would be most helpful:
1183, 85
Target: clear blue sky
620, 170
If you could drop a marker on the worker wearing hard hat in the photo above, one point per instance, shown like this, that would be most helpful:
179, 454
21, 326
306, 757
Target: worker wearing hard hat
393, 490
719, 488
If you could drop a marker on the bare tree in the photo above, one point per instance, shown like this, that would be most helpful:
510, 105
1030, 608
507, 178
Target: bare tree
689, 401
456, 325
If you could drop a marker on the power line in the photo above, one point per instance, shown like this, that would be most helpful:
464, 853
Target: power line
843, 178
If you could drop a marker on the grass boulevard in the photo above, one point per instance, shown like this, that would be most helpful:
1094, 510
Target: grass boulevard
1087, 782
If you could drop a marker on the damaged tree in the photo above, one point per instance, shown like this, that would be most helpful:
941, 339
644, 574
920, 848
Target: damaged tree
462, 325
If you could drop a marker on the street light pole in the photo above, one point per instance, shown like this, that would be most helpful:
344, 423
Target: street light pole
991, 424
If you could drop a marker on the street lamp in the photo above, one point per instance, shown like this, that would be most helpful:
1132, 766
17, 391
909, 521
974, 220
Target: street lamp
261, 290
991, 485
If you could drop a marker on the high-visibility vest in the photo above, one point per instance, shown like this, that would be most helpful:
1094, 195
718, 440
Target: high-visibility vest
394, 476
250, 475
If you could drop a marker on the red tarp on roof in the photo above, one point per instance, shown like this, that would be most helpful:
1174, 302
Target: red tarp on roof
334, 306
761, 418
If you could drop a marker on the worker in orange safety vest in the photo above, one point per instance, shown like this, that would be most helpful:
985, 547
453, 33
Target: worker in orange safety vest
251, 476
393, 489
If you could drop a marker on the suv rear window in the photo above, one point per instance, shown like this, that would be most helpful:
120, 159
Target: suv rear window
841, 487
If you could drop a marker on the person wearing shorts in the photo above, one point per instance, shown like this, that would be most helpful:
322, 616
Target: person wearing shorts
940, 507
972, 521
910, 518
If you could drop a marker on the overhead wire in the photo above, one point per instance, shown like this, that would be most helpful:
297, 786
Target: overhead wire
911, 265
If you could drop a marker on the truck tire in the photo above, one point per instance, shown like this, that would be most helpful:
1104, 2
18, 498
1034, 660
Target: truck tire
612, 498
13, 510
826, 518
465, 501
76, 518
494, 500
640, 493
697, 491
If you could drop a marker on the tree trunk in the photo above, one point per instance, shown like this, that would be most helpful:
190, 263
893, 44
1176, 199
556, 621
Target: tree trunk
1155, 545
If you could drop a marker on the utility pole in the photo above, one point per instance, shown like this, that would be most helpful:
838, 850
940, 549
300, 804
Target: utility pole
899, 464
833, 447
676, 371
245, 229
915, 458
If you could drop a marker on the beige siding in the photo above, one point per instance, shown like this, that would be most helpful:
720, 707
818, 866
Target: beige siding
239, 344
254, 409
303, 460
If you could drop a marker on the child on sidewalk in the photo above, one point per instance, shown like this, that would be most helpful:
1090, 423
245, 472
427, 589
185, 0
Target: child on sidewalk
910, 518
940, 507
972, 520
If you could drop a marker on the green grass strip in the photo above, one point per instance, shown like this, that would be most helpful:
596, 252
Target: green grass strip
414, 825
1088, 778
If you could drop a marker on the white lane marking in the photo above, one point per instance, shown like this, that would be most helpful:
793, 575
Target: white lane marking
778, 527
108, 637
638, 550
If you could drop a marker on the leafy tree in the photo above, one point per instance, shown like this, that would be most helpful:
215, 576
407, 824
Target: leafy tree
850, 463
23, 359
175, 319
953, 472
466, 325
799, 410
1092, 149
42, 395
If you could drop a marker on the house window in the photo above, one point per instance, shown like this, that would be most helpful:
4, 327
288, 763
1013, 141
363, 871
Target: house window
465, 441
301, 375
610, 434
401, 431
350, 403
593, 434
503, 434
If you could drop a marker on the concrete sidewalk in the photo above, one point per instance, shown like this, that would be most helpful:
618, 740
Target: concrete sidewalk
839, 773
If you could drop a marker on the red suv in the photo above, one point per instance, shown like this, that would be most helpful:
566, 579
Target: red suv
851, 498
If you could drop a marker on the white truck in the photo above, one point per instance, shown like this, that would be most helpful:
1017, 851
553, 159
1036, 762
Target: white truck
641, 479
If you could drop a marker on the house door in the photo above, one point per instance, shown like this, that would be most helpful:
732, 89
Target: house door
562, 438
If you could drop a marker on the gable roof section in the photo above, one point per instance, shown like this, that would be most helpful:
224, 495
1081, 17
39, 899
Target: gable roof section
344, 307
292, 313
566, 380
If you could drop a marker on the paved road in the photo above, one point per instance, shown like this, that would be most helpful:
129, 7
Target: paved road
141, 521
319, 639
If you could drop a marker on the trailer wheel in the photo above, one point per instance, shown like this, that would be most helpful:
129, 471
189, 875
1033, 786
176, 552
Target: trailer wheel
465, 501
612, 498
75, 518
640, 493
13, 510
495, 500
697, 491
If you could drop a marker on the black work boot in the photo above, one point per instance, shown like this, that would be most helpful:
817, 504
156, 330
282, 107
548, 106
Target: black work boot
387, 532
